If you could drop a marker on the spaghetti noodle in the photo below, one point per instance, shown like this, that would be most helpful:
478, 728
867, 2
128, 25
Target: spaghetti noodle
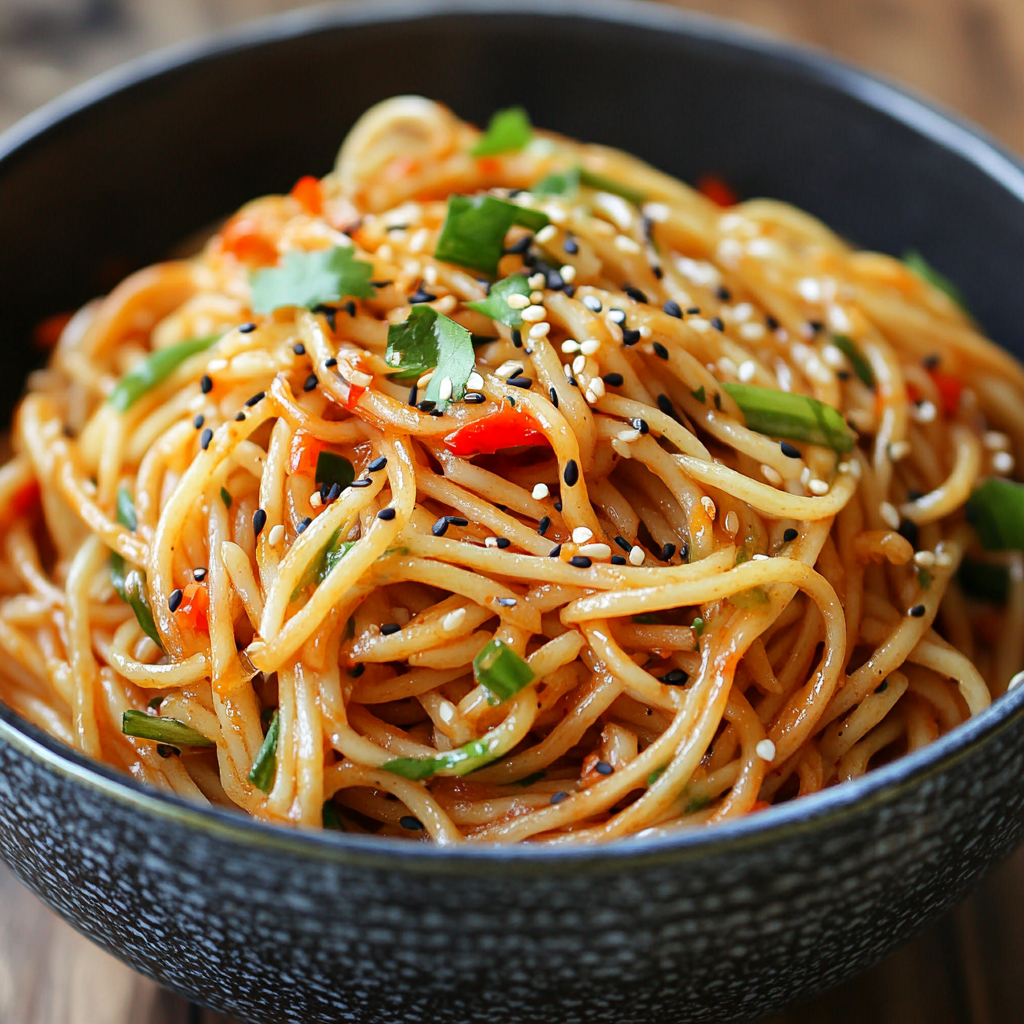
498, 487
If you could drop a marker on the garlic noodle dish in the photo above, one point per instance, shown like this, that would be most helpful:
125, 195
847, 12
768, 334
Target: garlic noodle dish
498, 487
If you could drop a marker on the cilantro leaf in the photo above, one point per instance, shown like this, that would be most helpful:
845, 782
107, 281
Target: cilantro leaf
508, 131
475, 228
496, 304
561, 183
430, 340
309, 279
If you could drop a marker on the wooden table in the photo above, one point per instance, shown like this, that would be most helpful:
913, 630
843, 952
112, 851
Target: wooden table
968, 54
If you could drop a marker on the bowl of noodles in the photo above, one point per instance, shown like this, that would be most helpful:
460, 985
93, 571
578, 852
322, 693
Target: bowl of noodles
456, 570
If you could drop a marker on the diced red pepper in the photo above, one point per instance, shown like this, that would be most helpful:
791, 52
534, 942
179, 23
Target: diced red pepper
350, 392
488, 165
950, 389
308, 192
717, 190
194, 606
243, 238
489, 434
26, 498
303, 454
47, 333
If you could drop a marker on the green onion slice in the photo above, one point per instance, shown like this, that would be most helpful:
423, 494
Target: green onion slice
501, 672
797, 417
600, 182
334, 469
130, 583
475, 228
496, 304
996, 509
264, 768
162, 730
561, 183
333, 552
225, 496
509, 131
153, 370
860, 365
920, 266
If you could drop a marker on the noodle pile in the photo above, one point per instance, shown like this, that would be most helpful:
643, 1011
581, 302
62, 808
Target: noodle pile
697, 617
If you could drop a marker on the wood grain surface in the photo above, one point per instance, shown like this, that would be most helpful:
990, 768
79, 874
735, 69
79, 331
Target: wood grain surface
968, 55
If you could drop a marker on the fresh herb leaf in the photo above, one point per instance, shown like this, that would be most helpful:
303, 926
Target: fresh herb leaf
225, 497
984, 581
430, 340
162, 730
310, 279
924, 579
153, 370
475, 228
860, 365
797, 417
509, 131
996, 509
501, 672
496, 304
700, 394
599, 181
561, 183
264, 768
920, 266
333, 469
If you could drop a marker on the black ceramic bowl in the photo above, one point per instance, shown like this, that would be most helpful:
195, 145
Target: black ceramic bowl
715, 925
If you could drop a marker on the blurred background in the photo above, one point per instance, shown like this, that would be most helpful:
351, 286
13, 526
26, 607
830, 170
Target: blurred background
966, 54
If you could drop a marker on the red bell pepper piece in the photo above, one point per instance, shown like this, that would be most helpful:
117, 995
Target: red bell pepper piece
308, 192
489, 434
194, 606
950, 389
717, 190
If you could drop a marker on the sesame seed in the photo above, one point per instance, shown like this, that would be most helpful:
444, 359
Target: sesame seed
300, 526
473, 398
582, 534
427, 405
559, 797
534, 314
765, 750
925, 559
571, 246
390, 627
540, 492
746, 370
636, 555
618, 560
541, 330
595, 551
716, 322
667, 551
474, 381
665, 405
239, 416
924, 412
521, 382
631, 337
593, 303
259, 520
590, 346
580, 562
626, 244
205, 384
889, 515
628, 436
205, 438
917, 611
1002, 462
790, 451
517, 248
387, 514
544, 525
555, 551
899, 450
571, 474
256, 399
199, 421
311, 382
444, 392
659, 350
175, 600
570, 346
995, 441
411, 823
617, 316
818, 487
790, 535
553, 396
603, 768
503, 542
672, 308
276, 535
246, 328
517, 301
517, 338
943, 559
199, 574
453, 619
299, 349
567, 273
772, 475
537, 280
731, 523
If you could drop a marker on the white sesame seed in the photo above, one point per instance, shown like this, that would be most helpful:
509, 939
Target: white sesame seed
546, 233
818, 487
597, 387
582, 534
595, 551
570, 346
759, 558
509, 367
590, 346
636, 555
592, 302
385, 252
628, 436
360, 379
995, 440
645, 331
517, 301
746, 370
925, 412
772, 475
709, 507
536, 296
419, 240
534, 314
537, 280
276, 535
899, 450
446, 711
925, 559
540, 330
699, 324
474, 381
453, 620
1002, 462
731, 523
805, 476
727, 366
855, 469
844, 467
444, 392
809, 289
626, 244
567, 370
592, 398
430, 274
568, 273
742, 312
217, 364
540, 492
832, 356
579, 364
943, 559
491, 542
315, 501
658, 212
891, 518
752, 331
425, 379
765, 750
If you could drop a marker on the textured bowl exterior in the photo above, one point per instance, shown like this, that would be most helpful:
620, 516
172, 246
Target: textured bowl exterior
715, 925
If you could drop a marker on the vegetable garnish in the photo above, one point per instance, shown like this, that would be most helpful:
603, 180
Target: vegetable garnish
860, 365
153, 370
334, 469
225, 496
920, 266
798, 417
264, 768
429, 340
475, 228
996, 509
501, 672
508, 428
333, 552
984, 581
567, 183
331, 817
309, 279
496, 304
130, 584
600, 182
509, 130
950, 389
162, 730
717, 190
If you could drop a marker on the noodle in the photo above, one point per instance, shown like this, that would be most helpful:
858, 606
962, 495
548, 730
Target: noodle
640, 515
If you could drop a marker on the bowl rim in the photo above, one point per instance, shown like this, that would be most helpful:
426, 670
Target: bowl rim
787, 821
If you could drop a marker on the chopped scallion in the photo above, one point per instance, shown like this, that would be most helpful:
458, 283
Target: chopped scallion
153, 370
162, 730
797, 417
264, 768
599, 181
860, 365
130, 583
500, 671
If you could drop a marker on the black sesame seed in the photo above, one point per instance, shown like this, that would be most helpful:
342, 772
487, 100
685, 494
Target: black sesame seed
603, 768
624, 544
558, 506
717, 323
613, 380
657, 271
913, 494
673, 309
618, 559
411, 823
517, 338
917, 611
684, 552
205, 438
364, 482
580, 562
908, 530
722, 293
473, 397
659, 350
239, 416
773, 324
199, 574
166, 750
504, 542
553, 395
718, 401
381, 284
521, 382
559, 797
174, 601
882, 686
440, 528
617, 316
665, 405
357, 670
843, 374
790, 451
256, 399
299, 349
334, 493
555, 551
311, 382
411, 400
420, 296
301, 525
199, 421
330, 362
692, 310
427, 405
246, 328
506, 602
519, 247
387, 514
790, 535
931, 362
593, 303
350, 308
674, 677
554, 280
629, 336
259, 520
635, 294
816, 326
544, 525
667, 551
571, 473
389, 627
378, 464
205, 384
642, 425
